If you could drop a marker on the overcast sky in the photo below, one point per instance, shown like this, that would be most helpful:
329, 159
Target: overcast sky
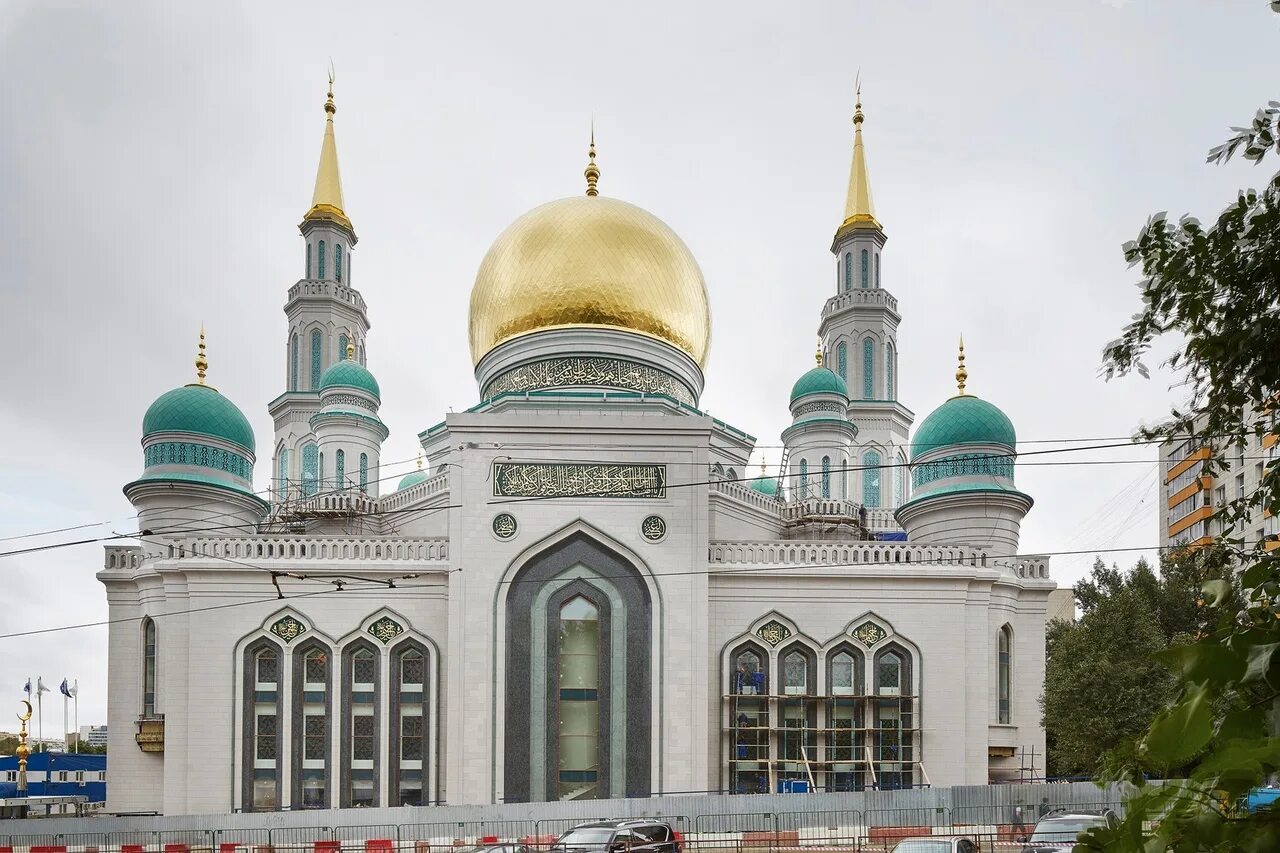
155, 159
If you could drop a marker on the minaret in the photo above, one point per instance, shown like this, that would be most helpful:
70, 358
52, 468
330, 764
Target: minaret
326, 315
859, 331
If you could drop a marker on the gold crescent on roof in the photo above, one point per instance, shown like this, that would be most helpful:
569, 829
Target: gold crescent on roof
28, 706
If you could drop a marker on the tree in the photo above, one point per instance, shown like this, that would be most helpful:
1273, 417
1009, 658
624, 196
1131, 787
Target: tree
1218, 288
1103, 684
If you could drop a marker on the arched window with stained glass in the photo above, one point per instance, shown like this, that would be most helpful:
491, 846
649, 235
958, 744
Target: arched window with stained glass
310, 469
320, 258
866, 270
826, 476
842, 360
804, 479
312, 716
282, 477
337, 262
148, 667
1004, 668
868, 369
323, 485
900, 485
317, 356
848, 271
889, 358
342, 347
364, 472
293, 362
871, 479
579, 705
877, 269
308, 260
340, 470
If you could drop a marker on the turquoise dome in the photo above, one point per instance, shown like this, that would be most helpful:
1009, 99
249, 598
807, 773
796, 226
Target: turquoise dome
963, 420
819, 380
200, 410
350, 374
413, 478
766, 486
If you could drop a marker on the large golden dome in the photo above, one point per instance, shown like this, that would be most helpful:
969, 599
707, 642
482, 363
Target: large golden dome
590, 261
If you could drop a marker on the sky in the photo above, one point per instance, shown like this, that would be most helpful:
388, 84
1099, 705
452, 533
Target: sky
155, 159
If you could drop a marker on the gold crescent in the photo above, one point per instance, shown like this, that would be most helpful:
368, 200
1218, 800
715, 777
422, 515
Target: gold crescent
28, 716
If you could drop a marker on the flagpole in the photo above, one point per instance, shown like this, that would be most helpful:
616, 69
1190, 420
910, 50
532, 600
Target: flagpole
65, 722
40, 710
75, 693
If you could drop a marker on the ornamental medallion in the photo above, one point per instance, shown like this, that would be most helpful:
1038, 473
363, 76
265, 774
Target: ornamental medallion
504, 525
550, 480
287, 628
869, 633
653, 528
386, 629
773, 632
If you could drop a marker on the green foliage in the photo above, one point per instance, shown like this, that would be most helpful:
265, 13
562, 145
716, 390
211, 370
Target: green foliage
1105, 680
1218, 289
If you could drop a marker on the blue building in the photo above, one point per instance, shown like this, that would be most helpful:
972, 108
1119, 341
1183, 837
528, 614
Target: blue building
57, 774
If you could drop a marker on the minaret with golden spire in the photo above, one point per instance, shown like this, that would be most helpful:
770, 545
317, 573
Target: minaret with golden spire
592, 172
859, 209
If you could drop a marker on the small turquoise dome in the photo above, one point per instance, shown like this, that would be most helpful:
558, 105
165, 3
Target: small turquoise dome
963, 420
766, 486
351, 374
413, 478
200, 410
819, 380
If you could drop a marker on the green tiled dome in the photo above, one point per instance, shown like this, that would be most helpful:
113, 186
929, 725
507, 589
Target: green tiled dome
766, 486
820, 380
350, 374
200, 410
963, 420
413, 478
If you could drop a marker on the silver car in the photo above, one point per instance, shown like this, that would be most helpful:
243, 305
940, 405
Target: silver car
936, 844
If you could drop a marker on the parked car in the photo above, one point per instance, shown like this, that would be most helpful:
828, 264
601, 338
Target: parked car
620, 836
1057, 830
936, 845
504, 847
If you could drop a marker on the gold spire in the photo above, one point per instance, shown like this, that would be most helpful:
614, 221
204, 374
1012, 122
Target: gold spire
592, 172
817, 356
961, 373
858, 207
202, 362
351, 351
326, 201
419, 458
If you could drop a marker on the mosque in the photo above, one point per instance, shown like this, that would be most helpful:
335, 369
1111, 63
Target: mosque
586, 592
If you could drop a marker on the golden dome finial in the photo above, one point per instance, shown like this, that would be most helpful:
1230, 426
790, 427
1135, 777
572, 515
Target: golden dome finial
961, 374
351, 350
329, 106
592, 172
202, 362
817, 356
857, 102
419, 458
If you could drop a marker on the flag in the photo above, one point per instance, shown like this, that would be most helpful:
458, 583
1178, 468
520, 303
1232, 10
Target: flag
40, 688
27, 688
64, 689
75, 690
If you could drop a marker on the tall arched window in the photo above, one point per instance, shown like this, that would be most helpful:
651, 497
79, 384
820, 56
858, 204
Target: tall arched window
282, 480
868, 369
293, 362
894, 737
900, 484
866, 270
308, 260
342, 347
871, 479
317, 343
360, 726
795, 674
320, 257
310, 469
804, 478
749, 720
364, 472
340, 470
579, 682
826, 476
337, 262
312, 713
848, 271
409, 736
877, 269
1006, 650
324, 485
889, 359
842, 360
148, 667
799, 718
261, 695
845, 747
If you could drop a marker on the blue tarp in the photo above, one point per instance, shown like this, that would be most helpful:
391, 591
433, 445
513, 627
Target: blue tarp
892, 536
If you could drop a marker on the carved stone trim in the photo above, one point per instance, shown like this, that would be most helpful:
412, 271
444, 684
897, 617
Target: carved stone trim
588, 371
537, 479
